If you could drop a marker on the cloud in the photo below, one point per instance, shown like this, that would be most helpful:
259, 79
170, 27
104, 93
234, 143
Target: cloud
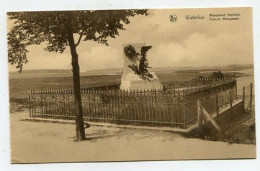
101, 57
183, 43
201, 50
40, 59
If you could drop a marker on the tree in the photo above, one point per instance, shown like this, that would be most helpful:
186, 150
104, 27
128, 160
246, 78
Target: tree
218, 74
58, 29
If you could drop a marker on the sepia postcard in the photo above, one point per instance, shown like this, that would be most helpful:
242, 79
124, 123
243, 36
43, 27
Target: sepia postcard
131, 85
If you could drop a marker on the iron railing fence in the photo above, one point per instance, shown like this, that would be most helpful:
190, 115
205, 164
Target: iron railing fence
177, 108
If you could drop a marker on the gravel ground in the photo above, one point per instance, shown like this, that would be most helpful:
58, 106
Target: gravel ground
36, 142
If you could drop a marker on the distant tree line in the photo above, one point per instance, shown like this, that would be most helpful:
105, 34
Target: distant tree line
217, 74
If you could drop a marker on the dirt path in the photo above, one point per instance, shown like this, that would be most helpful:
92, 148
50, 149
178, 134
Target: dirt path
36, 142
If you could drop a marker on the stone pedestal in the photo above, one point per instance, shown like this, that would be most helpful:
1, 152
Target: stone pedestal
141, 85
131, 81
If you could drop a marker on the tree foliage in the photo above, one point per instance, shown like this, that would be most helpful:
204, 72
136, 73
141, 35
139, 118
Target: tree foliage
218, 74
52, 27
58, 29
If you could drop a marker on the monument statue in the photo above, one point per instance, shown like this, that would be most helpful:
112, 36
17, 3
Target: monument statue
136, 75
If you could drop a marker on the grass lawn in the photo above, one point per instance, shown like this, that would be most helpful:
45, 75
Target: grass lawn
19, 85
241, 131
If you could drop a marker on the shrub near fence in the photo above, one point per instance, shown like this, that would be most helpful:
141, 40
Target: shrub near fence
195, 83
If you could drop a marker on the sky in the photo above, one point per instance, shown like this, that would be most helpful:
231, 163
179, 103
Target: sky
196, 42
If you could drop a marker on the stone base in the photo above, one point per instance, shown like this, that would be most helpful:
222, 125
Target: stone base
141, 85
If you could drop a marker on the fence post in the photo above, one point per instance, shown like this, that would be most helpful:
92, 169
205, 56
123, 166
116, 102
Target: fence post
251, 96
236, 89
217, 109
244, 96
41, 95
30, 105
231, 106
183, 109
199, 114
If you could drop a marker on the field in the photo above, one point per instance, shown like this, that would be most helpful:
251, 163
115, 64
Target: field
19, 87
20, 84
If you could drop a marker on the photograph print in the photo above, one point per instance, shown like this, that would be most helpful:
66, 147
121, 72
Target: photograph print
131, 85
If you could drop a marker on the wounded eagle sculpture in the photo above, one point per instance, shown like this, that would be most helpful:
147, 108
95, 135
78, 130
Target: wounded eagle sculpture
141, 68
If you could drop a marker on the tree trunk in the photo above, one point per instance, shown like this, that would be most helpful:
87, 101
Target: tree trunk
80, 130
